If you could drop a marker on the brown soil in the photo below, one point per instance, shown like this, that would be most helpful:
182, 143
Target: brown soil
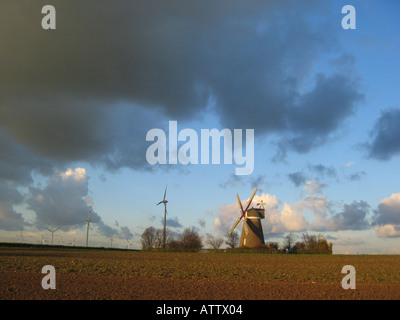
24, 285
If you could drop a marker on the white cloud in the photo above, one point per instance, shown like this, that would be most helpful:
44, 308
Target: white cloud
387, 231
78, 174
292, 219
282, 217
349, 164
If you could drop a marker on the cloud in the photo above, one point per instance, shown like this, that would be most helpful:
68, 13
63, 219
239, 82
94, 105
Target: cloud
61, 203
110, 72
173, 222
387, 231
353, 217
385, 142
202, 222
318, 172
357, 176
312, 212
388, 210
318, 113
9, 218
298, 178
292, 219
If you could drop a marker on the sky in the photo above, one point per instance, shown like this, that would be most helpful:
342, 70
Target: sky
77, 104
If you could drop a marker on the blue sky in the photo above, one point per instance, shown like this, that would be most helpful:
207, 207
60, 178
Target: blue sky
76, 104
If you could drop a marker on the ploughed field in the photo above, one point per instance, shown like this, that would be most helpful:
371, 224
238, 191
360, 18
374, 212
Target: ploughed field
109, 274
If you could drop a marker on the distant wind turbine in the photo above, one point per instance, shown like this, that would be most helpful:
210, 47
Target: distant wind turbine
43, 239
20, 237
165, 215
88, 223
73, 242
52, 233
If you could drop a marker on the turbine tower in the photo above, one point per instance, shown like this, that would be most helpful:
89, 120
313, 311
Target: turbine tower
20, 237
52, 233
88, 223
165, 216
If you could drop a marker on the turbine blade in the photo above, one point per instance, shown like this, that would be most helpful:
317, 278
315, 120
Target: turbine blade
165, 192
234, 225
159, 203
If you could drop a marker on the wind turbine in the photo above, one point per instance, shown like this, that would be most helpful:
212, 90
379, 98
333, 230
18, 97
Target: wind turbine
52, 233
20, 237
165, 215
43, 239
88, 223
73, 242
128, 244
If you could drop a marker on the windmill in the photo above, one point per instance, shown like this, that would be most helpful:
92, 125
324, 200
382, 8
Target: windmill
88, 223
52, 233
128, 244
252, 233
165, 215
72, 242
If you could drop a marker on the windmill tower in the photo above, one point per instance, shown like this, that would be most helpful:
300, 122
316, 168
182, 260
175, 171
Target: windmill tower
252, 233
88, 223
165, 216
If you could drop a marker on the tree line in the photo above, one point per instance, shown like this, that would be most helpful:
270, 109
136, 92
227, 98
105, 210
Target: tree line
190, 240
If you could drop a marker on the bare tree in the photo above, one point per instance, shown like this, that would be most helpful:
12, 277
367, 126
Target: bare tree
288, 241
148, 237
159, 237
232, 239
215, 242
190, 239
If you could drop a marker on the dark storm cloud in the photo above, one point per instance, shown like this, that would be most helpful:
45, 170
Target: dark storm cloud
385, 136
112, 70
9, 218
60, 89
320, 112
